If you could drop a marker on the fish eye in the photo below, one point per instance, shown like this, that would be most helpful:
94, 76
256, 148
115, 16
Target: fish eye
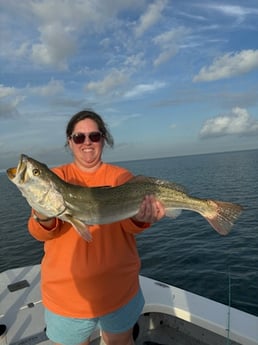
36, 172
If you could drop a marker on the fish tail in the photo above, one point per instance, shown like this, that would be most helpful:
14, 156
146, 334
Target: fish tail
224, 216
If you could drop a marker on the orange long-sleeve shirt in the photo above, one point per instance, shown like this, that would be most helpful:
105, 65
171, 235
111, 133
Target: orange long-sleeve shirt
89, 279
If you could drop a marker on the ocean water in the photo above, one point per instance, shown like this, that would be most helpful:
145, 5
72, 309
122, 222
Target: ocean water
185, 252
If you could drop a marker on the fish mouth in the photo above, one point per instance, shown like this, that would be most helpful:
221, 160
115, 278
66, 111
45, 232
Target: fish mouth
11, 172
20, 170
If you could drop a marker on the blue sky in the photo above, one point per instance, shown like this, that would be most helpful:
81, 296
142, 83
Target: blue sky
169, 77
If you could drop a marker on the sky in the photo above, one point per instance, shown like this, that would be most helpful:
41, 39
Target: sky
169, 78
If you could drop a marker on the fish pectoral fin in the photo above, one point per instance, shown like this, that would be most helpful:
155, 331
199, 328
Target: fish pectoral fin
173, 212
80, 227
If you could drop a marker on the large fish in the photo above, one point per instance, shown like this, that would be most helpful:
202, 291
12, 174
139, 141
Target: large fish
82, 206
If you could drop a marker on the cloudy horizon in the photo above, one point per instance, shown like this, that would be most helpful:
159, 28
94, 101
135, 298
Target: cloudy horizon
170, 78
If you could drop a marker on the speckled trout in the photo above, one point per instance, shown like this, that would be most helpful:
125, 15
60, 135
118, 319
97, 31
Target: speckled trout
84, 206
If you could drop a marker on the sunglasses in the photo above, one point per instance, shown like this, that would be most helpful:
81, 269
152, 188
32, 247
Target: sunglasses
79, 138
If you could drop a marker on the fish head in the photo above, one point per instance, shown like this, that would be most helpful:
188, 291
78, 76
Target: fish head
27, 171
38, 185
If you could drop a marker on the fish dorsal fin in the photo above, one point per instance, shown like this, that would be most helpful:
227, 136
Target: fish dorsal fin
160, 182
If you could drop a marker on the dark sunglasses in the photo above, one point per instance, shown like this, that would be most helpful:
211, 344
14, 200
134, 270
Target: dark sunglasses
79, 138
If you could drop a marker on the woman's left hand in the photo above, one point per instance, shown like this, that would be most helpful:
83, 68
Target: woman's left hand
151, 210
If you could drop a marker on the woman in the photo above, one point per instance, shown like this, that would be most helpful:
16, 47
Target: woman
85, 284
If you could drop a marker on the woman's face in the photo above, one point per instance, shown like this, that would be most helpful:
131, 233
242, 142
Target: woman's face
87, 155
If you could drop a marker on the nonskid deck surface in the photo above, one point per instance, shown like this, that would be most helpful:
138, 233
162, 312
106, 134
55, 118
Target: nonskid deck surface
158, 328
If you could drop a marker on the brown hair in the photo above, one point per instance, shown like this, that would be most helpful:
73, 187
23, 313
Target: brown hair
89, 114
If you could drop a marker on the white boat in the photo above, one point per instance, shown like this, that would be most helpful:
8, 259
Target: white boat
171, 316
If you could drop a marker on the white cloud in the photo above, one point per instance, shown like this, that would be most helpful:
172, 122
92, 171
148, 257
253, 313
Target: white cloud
150, 17
229, 65
109, 84
169, 43
61, 24
135, 61
54, 87
118, 120
141, 89
172, 36
8, 110
10, 99
57, 44
68, 13
165, 56
77, 14
233, 10
6, 91
237, 122
22, 50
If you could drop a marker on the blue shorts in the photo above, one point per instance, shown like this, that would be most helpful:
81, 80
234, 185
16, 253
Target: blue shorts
73, 331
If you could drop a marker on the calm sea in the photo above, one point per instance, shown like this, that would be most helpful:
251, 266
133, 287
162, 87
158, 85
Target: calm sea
185, 252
